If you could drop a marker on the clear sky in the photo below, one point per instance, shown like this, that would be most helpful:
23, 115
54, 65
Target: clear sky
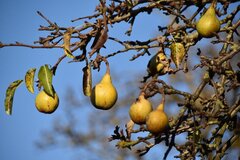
19, 22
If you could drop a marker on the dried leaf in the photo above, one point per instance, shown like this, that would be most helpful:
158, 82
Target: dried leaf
66, 43
29, 79
45, 79
10, 95
177, 53
129, 127
99, 41
87, 80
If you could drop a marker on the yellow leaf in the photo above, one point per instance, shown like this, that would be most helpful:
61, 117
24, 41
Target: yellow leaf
87, 80
177, 53
10, 95
66, 43
29, 79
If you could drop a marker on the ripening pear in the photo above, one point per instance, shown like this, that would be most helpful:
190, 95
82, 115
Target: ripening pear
158, 64
157, 120
208, 24
104, 95
45, 103
139, 110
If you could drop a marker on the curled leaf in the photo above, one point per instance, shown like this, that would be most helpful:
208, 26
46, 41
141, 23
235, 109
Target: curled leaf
29, 79
10, 95
66, 43
99, 41
45, 79
87, 80
177, 53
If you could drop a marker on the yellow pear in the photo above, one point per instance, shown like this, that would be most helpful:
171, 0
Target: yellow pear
45, 103
104, 94
139, 110
157, 120
208, 23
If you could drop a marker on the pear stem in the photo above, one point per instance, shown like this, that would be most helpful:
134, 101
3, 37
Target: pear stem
141, 94
107, 66
214, 2
162, 103
173, 38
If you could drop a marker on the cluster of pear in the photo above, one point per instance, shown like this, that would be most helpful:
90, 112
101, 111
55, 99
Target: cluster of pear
141, 112
207, 26
103, 96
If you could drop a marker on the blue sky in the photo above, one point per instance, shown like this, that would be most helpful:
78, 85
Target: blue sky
19, 22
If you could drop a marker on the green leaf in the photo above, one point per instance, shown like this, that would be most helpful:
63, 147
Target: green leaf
29, 79
45, 79
10, 95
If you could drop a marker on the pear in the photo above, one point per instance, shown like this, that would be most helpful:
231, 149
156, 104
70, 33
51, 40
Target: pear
45, 103
158, 64
104, 95
208, 24
157, 120
140, 109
